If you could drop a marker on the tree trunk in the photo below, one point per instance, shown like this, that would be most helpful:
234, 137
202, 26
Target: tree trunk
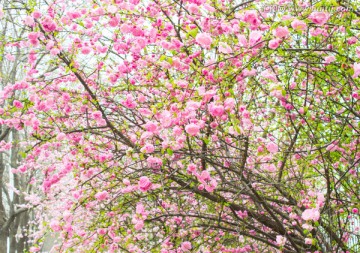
3, 236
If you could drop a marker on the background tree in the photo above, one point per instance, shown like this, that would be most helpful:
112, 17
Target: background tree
14, 219
203, 126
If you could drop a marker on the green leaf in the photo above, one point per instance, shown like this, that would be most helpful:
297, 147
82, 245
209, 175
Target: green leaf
193, 32
169, 151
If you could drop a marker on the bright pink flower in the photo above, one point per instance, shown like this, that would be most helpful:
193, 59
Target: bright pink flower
129, 102
33, 35
36, 14
186, 246
311, 214
191, 168
96, 115
351, 40
102, 195
211, 186
114, 22
151, 127
274, 43
144, 184
85, 50
216, 110
298, 25
272, 147
192, 129
355, 210
204, 39
18, 104
252, 19
48, 24
281, 32
319, 18
356, 70
204, 176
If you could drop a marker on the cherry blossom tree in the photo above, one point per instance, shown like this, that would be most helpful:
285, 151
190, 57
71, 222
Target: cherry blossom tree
190, 126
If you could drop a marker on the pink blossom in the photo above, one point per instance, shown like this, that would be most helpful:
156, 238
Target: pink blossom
36, 14
254, 38
101, 231
274, 43
224, 48
270, 167
204, 176
229, 103
54, 51
311, 214
139, 225
151, 127
204, 39
186, 246
356, 70
29, 21
114, 22
298, 25
216, 110
102, 195
272, 147
140, 209
166, 120
251, 18
148, 148
329, 59
33, 35
144, 184
10, 57
242, 214
48, 24
319, 18
129, 102
191, 168
351, 40
280, 240
35, 249
154, 162
85, 50
281, 32
211, 186
18, 104
192, 129
193, 8
355, 210
308, 241
55, 226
